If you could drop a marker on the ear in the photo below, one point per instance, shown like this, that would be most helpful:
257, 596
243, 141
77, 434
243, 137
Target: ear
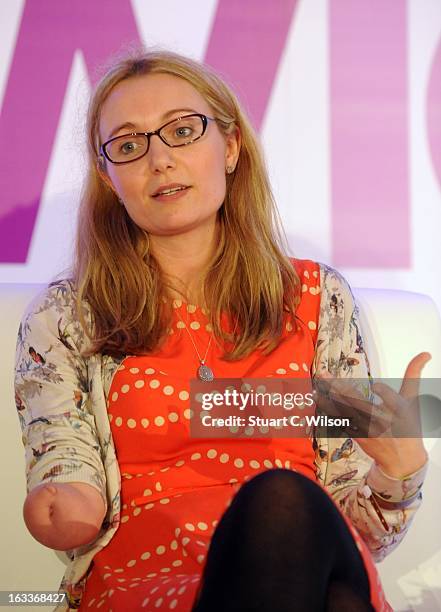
234, 141
102, 171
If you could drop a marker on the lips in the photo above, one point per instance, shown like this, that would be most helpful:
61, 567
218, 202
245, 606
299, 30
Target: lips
168, 190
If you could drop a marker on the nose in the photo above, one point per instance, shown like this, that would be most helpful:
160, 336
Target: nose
160, 157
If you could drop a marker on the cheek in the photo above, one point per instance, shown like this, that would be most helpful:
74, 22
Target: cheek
213, 178
123, 184
213, 194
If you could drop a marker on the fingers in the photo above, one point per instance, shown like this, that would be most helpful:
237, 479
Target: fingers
405, 413
399, 414
343, 398
344, 390
389, 396
411, 382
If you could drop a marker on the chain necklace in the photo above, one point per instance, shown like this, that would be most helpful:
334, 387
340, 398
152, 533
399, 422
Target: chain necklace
204, 372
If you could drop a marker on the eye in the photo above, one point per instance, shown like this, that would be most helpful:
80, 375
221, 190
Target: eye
184, 131
128, 147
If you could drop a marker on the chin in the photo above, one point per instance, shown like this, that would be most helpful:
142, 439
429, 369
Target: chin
180, 226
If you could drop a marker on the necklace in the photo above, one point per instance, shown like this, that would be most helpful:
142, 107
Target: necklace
204, 372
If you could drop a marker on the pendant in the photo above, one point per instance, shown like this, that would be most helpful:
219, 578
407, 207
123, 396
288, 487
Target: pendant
205, 373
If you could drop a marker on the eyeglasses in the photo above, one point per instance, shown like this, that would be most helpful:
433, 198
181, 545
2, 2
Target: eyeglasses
176, 133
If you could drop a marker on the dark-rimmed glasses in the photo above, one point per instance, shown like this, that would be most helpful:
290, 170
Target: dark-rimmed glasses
176, 133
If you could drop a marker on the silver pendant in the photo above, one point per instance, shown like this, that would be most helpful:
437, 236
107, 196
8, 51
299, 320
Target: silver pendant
205, 373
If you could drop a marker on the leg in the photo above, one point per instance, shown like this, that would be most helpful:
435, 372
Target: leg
282, 545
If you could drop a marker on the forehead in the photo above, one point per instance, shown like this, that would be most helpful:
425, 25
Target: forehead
144, 100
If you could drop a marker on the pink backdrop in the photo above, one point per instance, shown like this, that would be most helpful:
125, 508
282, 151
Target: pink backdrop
368, 107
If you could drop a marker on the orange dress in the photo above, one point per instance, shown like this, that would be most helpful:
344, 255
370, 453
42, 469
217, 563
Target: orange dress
174, 487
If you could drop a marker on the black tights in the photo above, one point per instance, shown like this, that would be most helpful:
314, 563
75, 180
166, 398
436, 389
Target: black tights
281, 546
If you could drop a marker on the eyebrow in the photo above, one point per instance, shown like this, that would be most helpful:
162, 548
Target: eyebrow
165, 116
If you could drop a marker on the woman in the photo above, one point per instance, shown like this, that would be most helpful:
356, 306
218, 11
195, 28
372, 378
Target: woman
180, 273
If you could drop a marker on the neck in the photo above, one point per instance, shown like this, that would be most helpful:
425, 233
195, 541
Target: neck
184, 260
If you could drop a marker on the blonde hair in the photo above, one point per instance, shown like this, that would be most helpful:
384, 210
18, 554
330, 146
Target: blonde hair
249, 277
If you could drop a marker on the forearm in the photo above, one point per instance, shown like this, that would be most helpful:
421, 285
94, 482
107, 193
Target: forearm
347, 472
64, 516
382, 508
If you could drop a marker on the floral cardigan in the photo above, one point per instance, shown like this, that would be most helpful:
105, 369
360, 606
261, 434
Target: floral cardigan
61, 403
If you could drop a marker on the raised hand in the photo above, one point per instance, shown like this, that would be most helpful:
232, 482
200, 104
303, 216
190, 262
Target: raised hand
397, 456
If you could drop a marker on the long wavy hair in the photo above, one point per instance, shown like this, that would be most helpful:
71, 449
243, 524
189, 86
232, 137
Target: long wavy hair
249, 277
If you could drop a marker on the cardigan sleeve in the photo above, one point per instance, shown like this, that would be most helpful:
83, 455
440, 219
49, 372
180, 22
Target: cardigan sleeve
52, 392
344, 469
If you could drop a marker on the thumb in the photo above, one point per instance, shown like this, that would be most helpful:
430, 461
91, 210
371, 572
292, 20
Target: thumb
411, 382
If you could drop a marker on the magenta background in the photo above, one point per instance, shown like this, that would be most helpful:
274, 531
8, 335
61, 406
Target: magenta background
368, 101
369, 137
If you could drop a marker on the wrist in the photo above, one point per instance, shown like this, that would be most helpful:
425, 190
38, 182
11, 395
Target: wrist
403, 469
387, 504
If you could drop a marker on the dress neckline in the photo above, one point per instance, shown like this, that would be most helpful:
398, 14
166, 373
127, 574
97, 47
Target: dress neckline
181, 305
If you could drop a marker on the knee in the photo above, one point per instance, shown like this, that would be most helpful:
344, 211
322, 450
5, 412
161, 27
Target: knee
284, 486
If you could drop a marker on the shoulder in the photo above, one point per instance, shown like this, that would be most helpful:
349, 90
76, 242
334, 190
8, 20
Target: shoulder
305, 268
53, 310
319, 278
316, 277
325, 276
59, 295
340, 346
332, 280
336, 292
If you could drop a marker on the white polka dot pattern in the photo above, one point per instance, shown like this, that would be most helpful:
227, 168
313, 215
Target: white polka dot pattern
149, 400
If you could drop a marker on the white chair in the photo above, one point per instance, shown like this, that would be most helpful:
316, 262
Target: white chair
396, 325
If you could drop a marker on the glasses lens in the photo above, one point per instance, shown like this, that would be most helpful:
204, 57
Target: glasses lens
183, 131
127, 148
